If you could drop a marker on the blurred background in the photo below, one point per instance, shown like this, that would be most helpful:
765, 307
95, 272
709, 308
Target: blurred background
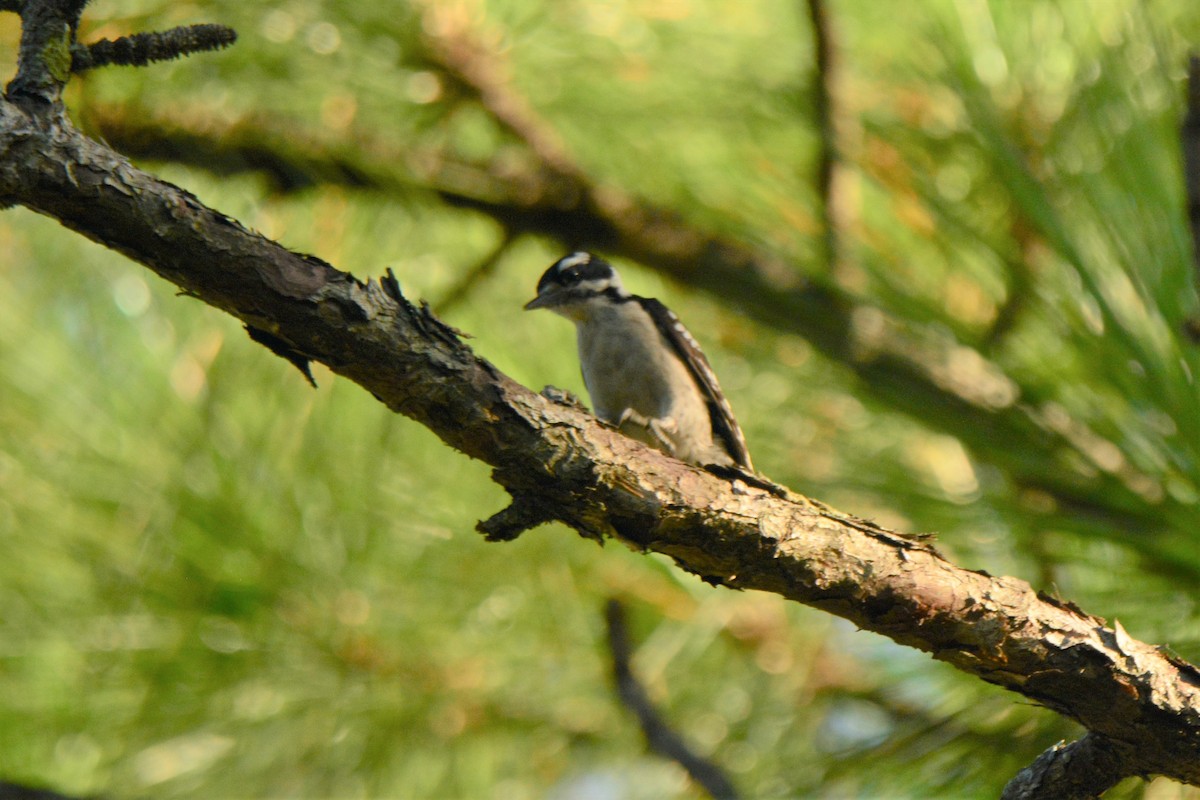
942, 271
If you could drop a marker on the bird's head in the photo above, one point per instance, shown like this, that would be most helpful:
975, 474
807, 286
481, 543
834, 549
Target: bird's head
575, 281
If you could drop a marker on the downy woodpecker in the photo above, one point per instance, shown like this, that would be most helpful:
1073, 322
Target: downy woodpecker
644, 371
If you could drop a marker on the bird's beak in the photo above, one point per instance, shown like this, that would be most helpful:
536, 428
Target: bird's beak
543, 300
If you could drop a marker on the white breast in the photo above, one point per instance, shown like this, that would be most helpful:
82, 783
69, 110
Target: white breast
628, 365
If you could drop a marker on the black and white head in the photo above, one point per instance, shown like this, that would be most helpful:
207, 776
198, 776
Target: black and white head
575, 281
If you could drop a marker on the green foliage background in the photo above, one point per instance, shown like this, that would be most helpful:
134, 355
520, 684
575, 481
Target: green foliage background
221, 583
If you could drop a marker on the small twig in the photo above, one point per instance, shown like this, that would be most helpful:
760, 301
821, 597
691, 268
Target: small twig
659, 735
141, 49
823, 109
523, 514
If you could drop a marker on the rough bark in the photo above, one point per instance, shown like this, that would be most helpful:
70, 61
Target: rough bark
1081, 770
559, 463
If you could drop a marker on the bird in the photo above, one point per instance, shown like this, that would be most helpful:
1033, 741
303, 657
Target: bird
643, 370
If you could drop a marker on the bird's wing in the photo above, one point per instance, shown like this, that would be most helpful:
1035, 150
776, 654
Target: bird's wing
725, 427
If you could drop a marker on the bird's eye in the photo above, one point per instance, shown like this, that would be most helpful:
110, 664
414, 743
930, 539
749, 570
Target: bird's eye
571, 277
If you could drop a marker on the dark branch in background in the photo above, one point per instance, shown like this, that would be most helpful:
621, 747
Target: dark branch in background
660, 737
1190, 144
1082, 770
141, 49
17, 791
285, 158
823, 111
477, 274
1019, 291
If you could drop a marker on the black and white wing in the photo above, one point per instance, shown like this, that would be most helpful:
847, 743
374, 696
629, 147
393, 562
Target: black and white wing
725, 427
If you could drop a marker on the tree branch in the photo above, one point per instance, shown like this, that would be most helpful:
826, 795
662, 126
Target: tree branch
1084, 769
